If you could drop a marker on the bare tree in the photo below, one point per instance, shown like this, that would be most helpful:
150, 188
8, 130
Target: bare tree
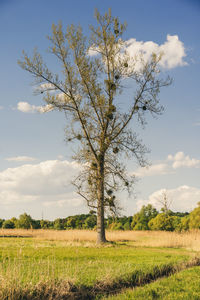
94, 73
166, 202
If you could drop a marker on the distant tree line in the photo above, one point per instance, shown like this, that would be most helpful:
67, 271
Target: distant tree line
148, 218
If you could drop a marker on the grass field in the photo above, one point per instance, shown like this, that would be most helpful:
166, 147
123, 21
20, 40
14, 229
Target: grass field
183, 285
38, 264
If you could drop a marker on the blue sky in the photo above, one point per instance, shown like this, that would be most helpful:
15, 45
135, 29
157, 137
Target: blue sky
35, 162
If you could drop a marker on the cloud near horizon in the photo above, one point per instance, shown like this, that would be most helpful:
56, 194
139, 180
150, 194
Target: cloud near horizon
45, 184
183, 198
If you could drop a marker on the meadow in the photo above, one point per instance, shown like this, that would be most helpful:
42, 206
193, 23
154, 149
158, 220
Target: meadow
49, 264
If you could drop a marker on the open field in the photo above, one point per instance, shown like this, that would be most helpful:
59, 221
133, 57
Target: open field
44, 264
188, 240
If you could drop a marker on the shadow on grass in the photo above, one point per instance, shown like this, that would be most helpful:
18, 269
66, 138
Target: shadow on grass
15, 236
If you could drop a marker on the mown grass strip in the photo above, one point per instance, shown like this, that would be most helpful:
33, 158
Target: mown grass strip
58, 290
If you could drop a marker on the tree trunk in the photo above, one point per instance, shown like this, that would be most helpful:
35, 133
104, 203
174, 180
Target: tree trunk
100, 206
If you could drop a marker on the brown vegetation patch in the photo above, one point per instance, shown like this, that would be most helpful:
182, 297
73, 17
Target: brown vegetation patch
14, 236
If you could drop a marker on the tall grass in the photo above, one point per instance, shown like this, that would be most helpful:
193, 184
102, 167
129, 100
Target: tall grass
189, 240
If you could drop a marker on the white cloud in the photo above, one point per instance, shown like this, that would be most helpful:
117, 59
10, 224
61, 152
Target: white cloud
28, 108
21, 158
39, 184
183, 198
74, 201
25, 107
169, 165
172, 49
92, 51
174, 52
181, 160
157, 169
45, 87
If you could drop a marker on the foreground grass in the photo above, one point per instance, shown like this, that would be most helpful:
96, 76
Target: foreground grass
183, 285
35, 260
45, 261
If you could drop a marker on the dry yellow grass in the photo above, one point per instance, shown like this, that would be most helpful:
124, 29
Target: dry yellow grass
189, 240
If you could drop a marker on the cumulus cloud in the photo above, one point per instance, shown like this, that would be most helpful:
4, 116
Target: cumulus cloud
28, 108
21, 158
181, 160
46, 183
183, 198
173, 51
157, 169
173, 162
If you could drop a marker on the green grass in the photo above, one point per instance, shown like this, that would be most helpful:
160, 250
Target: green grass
25, 262
34, 259
183, 285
